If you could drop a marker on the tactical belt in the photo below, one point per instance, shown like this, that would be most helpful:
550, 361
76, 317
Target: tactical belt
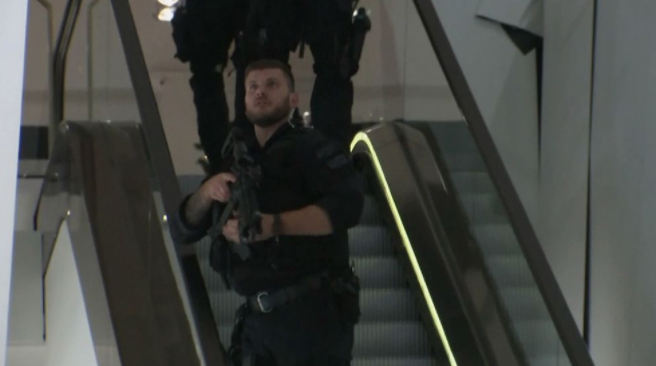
265, 302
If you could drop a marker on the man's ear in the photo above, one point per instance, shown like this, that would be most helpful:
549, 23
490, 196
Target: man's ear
293, 100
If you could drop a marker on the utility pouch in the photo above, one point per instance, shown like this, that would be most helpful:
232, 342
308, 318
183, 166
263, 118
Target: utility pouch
347, 291
220, 258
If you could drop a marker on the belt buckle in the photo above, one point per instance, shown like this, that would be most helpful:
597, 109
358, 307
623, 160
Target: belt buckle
259, 302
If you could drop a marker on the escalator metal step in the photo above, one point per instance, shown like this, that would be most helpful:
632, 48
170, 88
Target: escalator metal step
453, 136
510, 271
379, 272
371, 214
524, 303
496, 239
391, 339
483, 208
367, 240
472, 182
388, 305
538, 338
393, 361
550, 360
464, 162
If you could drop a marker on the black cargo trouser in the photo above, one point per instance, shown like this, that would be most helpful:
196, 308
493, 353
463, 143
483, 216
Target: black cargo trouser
307, 332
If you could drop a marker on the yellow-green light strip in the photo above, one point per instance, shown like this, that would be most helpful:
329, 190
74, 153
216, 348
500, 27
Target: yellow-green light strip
362, 137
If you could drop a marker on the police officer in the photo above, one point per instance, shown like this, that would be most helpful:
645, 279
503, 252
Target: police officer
203, 31
301, 294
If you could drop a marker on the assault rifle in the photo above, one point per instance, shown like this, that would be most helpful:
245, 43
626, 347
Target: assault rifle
243, 200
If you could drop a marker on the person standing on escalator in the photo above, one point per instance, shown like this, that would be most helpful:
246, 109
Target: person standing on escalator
203, 31
301, 294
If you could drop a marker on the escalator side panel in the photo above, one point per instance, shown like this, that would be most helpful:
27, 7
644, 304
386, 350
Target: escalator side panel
430, 268
128, 284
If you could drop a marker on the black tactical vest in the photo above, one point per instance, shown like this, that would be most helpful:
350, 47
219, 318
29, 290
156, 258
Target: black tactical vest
282, 261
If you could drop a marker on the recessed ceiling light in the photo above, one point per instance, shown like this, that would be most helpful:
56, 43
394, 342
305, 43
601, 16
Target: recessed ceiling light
168, 2
166, 14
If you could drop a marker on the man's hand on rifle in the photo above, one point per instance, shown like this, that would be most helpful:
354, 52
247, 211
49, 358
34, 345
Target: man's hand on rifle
231, 229
217, 189
308, 221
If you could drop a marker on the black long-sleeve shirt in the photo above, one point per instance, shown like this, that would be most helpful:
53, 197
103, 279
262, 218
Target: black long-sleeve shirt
300, 167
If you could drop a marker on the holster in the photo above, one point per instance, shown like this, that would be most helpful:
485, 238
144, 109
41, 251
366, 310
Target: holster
347, 297
350, 61
235, 352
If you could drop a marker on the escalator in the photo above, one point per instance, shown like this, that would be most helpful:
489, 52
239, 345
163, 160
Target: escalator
451, 271
444, 282
444, 278
516, 290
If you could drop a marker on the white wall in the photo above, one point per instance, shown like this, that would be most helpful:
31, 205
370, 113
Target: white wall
568, 34
68, 338
623, 190
13, 20
427, 94
504, 84
524, 14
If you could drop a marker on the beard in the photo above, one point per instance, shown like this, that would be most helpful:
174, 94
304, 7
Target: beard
279, 113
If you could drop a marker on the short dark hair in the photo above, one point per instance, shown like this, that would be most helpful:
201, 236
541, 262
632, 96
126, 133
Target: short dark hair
264, 64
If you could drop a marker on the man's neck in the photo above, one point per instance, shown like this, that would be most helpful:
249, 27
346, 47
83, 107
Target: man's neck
263, 134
